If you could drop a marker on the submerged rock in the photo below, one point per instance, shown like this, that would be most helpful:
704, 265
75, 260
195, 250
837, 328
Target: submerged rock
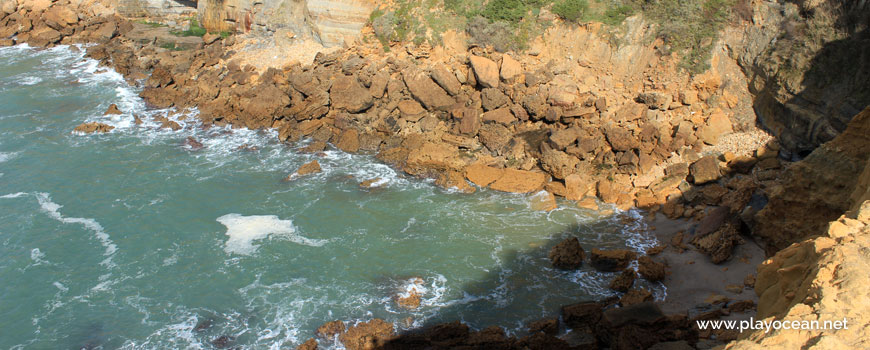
92, 127
193, 144
624, 281
650, 269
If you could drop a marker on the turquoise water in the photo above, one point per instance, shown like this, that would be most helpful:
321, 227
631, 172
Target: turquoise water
130, 240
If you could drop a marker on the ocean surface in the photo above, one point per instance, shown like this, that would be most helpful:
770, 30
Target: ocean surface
132, 240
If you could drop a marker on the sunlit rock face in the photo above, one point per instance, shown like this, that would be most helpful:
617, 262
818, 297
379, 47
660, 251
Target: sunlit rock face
329, 22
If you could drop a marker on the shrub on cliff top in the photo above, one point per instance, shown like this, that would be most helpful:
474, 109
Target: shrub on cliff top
571, 10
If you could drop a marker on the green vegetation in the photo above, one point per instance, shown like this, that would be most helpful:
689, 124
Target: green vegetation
171, 47
151, 24
194, 30
571, 10
688, 27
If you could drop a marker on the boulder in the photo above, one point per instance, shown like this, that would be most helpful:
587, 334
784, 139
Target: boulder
423, 89
330, 330
59, 17
705, 170
379, 83
482, 175
655, 100
558, 163
568, 254
582, 315
635, 296
720, 243
542, 201
491, 98
485, 71
611, 260
44, 36
93, 127
548, 326
452, 179
496, 137
620, 139
717, 125
411, 110
469, 123
519, 181
502, 116
562, 138
433, 158
510, 68
650, 269
347, 93
311, 167
348, 141
113, 109
447, 80
624, 281
367, 335
310, 344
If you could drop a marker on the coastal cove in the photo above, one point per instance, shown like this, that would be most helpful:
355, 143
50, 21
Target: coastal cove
121, 239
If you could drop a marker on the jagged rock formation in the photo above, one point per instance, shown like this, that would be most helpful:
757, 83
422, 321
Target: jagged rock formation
156, 8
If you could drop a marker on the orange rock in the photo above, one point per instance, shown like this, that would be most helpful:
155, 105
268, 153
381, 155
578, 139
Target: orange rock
520, 181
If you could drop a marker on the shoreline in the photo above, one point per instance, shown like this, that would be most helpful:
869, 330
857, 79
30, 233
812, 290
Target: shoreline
495, 130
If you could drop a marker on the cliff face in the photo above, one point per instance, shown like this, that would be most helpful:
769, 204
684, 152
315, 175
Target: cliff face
807, 63
818, 189
156, 8
329, 22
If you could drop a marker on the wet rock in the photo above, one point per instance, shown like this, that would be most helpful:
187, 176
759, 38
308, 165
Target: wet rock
203, 325
623, 281
542, 201
485, 71
454, 180
310, 344
371, 183
611, 260
348, 141
367, 335
635, 296
548, 326
347, 93
311, 167
113, 109
93, 127
582, 315
166, 123
314, 147
568, 254
705, 170
650, 269
330, 330
192, 144
222, 342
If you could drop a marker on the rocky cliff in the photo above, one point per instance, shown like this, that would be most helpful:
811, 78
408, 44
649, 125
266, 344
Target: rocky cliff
808, 63
329, 22
819, 188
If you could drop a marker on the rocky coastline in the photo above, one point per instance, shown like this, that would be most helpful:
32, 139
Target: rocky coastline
630, 130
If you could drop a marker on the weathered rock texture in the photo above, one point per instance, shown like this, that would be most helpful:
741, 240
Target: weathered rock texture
819, 188
329, 22
821, 279
807, 64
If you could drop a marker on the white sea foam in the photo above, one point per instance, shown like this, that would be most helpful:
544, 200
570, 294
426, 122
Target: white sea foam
6, 156
29, 80
244, 230
37, 256
53, 210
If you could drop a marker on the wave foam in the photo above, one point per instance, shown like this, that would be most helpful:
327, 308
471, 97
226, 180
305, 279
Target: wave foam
244, 230
53, 210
